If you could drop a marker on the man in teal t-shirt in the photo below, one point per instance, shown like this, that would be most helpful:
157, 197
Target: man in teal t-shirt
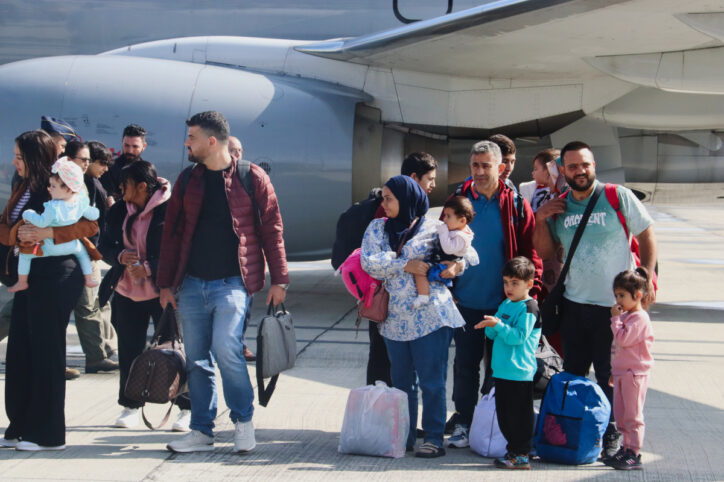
602, 253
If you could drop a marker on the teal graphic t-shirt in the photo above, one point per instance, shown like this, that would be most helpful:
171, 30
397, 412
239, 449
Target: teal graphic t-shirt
603, 251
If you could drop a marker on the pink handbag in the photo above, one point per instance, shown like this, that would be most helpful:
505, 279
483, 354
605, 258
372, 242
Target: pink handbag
376, 309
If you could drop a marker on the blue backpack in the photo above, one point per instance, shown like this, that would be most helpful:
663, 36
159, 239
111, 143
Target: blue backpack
573, 417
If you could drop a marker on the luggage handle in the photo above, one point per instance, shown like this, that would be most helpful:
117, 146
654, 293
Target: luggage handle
165, 417
271, 308
166, 316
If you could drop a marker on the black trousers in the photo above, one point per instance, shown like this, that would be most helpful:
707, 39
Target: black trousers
514, 404
130, 319
378, 364
471, 346
586, 337
35, 361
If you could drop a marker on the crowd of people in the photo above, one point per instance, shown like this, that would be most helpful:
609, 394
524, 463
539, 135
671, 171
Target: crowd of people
475, 276
510, 231
72, 205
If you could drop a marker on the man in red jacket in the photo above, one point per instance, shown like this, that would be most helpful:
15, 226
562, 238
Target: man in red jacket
503, 227
212, 261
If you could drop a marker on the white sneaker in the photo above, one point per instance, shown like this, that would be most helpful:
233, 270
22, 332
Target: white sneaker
194, 441
8, 443
460, 437
26, 446
128, 418
244, 440
182, 422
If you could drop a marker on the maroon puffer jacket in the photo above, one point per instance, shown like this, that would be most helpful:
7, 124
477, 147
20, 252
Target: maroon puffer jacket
176, 244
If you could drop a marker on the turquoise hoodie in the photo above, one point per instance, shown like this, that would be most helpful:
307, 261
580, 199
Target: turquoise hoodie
515, 340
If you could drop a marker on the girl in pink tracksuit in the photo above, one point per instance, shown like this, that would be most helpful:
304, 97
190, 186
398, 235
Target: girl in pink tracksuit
631, 361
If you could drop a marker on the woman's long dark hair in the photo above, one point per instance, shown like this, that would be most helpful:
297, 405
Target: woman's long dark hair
138, 172
39, 151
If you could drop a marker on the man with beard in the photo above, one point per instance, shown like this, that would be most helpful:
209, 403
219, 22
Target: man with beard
134, 143
602, 253
212, 261
503, 227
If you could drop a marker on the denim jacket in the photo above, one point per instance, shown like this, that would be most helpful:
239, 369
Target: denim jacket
405, 323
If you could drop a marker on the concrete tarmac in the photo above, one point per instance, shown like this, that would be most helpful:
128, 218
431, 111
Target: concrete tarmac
298, 433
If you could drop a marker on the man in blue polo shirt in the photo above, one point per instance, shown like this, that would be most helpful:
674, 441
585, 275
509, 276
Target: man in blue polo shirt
503, 225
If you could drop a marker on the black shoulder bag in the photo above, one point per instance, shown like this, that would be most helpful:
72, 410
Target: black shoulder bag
552, 308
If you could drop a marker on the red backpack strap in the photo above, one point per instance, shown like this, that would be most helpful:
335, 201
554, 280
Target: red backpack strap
612, 197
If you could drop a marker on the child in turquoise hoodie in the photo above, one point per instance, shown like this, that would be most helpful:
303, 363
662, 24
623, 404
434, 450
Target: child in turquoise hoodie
515, 331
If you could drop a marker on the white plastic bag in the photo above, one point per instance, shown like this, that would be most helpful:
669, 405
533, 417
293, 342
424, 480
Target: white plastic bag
485, 436
376, 422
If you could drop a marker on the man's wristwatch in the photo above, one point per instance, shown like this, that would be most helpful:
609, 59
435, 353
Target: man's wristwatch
285, 286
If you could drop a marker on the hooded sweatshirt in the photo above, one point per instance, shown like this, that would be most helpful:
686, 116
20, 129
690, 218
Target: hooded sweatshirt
143, 289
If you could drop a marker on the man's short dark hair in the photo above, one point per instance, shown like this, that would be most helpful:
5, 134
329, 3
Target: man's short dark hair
100, 153
213, 123
574, 146
507, 146
419, 163
461, 206
520, 268
134, 130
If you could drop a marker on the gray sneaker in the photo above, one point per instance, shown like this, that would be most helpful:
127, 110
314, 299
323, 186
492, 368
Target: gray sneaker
244, 440
194, 441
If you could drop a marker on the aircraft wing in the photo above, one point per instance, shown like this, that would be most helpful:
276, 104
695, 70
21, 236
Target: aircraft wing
527, 39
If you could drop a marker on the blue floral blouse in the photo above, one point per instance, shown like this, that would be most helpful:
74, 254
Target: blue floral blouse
405, 323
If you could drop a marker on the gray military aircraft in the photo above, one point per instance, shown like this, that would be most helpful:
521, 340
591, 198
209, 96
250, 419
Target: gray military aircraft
331, 113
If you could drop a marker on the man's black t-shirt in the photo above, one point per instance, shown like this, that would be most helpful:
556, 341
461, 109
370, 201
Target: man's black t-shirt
215, 246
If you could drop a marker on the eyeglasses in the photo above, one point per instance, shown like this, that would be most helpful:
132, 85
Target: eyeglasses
83, 159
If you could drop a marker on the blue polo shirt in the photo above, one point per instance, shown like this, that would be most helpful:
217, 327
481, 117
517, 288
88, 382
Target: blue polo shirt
481, 287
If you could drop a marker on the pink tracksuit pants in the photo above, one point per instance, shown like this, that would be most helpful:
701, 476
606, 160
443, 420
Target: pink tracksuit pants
629, 394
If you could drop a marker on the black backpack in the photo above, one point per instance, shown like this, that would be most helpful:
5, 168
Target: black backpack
351, 226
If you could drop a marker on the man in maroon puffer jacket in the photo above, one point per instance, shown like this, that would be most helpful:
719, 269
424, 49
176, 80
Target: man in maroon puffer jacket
212, 261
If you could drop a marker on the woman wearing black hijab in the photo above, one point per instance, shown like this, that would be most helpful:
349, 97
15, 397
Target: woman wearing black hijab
417, 339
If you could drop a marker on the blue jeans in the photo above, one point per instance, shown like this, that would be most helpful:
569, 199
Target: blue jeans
426, 356
212, 314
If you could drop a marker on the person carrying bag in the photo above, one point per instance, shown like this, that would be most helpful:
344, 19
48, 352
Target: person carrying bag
551, 310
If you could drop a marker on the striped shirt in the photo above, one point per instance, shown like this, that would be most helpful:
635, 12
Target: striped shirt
15, 215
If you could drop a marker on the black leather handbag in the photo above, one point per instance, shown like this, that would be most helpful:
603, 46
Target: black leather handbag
549, 363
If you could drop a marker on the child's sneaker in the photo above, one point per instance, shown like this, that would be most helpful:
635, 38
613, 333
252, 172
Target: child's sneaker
629, 461
619, 455
420, 301
511, 461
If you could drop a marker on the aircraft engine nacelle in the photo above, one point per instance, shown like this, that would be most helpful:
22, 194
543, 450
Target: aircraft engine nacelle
299, 130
